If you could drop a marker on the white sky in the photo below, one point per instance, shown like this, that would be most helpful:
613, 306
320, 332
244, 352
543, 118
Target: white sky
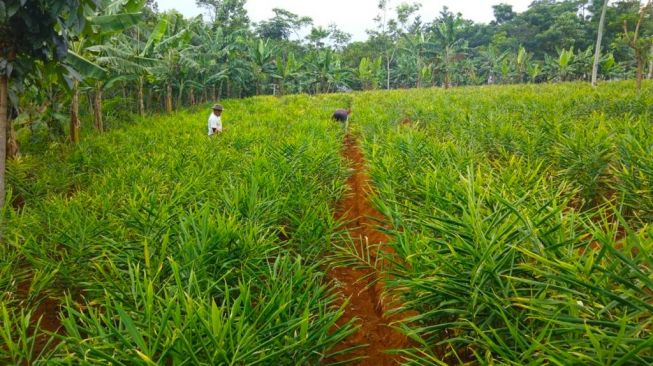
353, 16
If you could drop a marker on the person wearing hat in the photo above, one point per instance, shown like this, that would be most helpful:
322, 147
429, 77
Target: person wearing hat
215, 120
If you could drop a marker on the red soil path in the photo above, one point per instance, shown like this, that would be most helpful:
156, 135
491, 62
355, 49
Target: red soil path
368, 303
47, 313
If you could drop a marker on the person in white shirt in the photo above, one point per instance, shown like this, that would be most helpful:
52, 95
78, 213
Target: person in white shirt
215, 120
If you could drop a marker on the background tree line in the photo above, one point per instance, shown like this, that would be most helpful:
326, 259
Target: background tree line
117, 57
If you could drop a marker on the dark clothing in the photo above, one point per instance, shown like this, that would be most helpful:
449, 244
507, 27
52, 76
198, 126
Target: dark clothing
340, 115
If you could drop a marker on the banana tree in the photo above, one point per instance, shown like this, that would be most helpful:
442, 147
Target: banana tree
451, 46
172, 55
212, 55
561, 68
111, 18
534, 71
131, 56
146, 56
188, 73
521, 64
286, 68
491, 63
261, 55
368, 73
326, 71
565, 62
417, 46
449, 56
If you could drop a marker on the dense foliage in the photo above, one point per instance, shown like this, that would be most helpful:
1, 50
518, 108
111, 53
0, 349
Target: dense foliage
161, 61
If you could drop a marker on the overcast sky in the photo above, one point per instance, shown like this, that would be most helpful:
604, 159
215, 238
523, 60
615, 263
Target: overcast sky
352, 16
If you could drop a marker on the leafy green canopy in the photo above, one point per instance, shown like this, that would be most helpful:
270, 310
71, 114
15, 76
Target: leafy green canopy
39, 30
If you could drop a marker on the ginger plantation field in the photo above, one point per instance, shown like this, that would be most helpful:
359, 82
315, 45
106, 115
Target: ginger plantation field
519, 219
157, 245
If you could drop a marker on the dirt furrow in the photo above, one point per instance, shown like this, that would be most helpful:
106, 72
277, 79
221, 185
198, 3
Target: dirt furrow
367, 302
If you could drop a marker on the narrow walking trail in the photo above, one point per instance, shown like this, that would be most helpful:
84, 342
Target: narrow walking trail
361, 287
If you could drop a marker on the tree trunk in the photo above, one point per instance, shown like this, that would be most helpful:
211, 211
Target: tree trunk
12, 143
220, 91
169, 97
180, 96
74, 114
4, 90
599, 40
97, 107
213, 93
141, 103
388, 70
148, 99
650, 64
640, 70
192, 96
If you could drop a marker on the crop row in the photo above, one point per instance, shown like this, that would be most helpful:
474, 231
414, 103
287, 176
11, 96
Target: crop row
155, 244
521, 219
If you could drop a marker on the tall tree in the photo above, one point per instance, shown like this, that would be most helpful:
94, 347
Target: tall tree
639, 44
231, 15
282, 25
385, 36
24, 45
503, 13
599, 39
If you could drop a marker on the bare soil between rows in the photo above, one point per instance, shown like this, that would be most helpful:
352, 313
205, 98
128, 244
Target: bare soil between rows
368, 303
